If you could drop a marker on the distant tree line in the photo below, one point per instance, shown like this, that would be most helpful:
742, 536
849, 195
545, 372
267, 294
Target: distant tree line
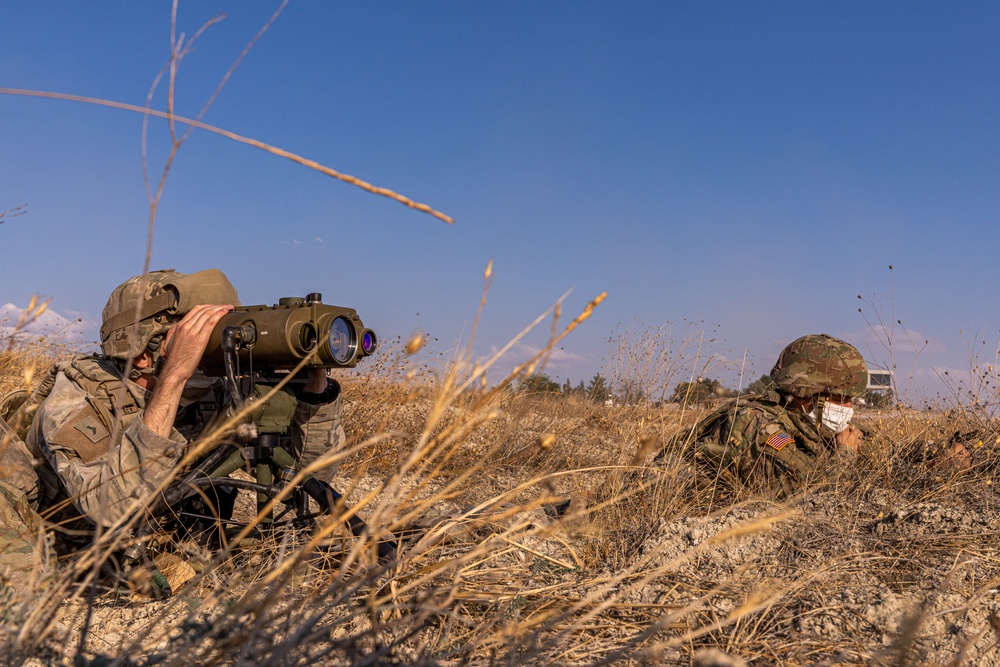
598, 390
626, 392
700, 391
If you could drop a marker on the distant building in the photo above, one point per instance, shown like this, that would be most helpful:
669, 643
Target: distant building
879, 379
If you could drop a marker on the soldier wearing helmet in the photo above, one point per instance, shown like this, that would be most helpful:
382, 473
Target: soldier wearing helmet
778, 440
112, 428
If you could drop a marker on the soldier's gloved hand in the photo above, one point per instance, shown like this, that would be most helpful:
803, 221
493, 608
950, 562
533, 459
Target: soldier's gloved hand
850, 438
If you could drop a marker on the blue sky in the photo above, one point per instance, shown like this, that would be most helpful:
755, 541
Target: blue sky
744, 168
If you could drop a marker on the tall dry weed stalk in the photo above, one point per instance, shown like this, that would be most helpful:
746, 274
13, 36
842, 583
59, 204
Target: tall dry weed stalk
648, 362
12, 213
25, 352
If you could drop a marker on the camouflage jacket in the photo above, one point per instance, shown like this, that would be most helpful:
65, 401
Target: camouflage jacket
757, 442
89, 432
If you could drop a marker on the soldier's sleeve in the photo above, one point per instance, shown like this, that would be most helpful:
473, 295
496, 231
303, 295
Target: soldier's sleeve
782, 461
17, 466
103, 469
751, 448
317, 432
729, 438
26, 557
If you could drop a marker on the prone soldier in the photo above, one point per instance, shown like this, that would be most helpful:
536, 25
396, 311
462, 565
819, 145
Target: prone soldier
778, 440
107, 429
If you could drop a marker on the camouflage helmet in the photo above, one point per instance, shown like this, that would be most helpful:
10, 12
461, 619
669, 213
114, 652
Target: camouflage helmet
820, 364
161, 298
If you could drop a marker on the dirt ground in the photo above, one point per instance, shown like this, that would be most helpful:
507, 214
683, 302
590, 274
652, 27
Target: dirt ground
893, 561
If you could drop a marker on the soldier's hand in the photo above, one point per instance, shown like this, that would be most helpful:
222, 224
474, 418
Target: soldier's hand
183, 348
851, 438
186, 341
955, 457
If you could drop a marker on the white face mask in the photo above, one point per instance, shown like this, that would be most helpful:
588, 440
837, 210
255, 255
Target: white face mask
835, 417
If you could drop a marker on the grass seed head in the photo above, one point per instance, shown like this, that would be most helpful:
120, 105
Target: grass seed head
414, 344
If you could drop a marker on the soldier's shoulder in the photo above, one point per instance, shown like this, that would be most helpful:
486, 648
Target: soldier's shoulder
68, 385
90, 367
762, 405
63, 398
85, 431
763, 416
84, 375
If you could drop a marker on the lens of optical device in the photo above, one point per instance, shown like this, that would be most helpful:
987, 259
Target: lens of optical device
342, 341
368, 342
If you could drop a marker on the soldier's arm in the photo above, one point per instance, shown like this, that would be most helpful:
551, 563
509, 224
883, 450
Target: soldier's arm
732, 440
783, 458
102, 469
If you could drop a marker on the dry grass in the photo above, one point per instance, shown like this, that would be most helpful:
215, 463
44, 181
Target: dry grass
892, 562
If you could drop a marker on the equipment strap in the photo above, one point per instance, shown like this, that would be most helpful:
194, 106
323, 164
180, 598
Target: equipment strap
151, 306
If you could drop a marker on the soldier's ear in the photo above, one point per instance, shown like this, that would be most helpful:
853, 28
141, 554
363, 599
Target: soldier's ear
143, 361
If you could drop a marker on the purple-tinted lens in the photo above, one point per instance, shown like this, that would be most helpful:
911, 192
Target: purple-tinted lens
368, 342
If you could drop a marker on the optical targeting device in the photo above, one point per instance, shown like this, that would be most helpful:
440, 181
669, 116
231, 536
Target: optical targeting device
278, 337
254, 348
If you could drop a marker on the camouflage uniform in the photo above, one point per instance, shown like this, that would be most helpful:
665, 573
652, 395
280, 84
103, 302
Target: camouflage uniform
87, 439
24, 555
90, 433
757, 442
769, 442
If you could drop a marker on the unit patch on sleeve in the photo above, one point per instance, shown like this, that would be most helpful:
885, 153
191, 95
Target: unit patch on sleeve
779, 440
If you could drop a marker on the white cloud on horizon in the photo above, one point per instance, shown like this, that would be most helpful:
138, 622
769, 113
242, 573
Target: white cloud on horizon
875, 343
73, 329
558, 360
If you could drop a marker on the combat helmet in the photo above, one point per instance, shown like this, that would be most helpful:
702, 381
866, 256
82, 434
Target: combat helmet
820, 364
159, 299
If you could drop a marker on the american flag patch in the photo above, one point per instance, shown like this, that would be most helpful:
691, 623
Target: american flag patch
779, 440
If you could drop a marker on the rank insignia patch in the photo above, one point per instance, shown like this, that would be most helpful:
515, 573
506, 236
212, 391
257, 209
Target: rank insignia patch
779, 440
92, 428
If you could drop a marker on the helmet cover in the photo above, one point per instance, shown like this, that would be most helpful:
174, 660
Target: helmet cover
158, 300
820, 364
